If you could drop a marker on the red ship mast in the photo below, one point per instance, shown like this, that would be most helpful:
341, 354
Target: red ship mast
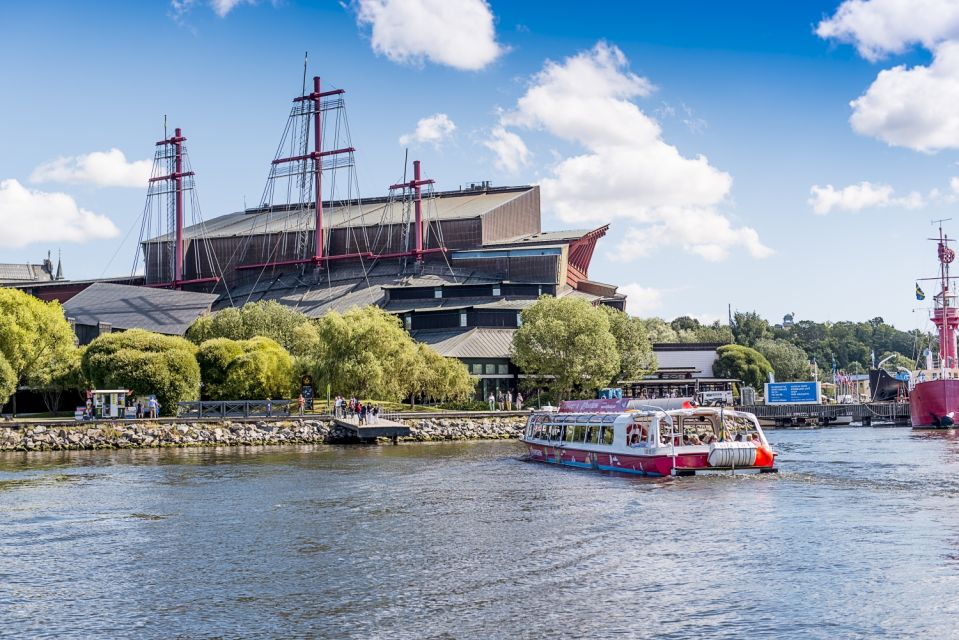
945, 316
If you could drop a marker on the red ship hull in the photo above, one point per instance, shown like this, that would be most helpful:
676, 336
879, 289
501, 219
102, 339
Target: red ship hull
930, 401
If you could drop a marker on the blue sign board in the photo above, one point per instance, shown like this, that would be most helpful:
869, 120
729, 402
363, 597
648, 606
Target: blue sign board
792, 393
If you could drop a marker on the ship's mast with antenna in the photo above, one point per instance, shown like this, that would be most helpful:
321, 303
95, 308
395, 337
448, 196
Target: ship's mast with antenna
946, 315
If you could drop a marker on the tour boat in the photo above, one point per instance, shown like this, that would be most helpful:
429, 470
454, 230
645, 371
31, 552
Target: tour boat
934, 396
636, 438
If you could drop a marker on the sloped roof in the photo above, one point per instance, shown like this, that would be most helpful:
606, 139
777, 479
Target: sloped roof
344, 289
128, 307
23, 273
478, 342
445, 206
543, 237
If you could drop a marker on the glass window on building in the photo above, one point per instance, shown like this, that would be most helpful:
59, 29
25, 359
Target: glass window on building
476, 369
502, 369
462, 318
490, 369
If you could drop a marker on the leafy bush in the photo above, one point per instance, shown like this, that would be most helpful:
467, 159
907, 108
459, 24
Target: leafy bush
146, 363
255, 319
245, 369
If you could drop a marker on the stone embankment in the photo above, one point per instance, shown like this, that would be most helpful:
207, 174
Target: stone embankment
133, 435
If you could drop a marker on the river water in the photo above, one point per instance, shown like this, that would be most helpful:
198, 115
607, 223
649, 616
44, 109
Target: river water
857, 537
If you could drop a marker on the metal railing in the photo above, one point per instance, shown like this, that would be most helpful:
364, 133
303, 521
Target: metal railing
236, 409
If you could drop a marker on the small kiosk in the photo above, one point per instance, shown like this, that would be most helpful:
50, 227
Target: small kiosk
109, 403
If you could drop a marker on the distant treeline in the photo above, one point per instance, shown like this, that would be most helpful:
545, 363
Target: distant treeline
850, 345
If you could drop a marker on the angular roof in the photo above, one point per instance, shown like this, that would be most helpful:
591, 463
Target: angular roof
478, 342
448, 205
345, 288
544, 237
24, 273
128, 307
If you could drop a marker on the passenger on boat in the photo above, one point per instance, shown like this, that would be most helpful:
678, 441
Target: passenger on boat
694, 440
712, 439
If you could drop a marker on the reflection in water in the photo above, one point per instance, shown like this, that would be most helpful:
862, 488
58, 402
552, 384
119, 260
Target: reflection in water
857, 537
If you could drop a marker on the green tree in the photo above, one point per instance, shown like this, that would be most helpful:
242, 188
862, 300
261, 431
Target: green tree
245, 369
8, 380
145, 362
789, 362
749, 328
568, 340
64, 375
636, 357
34, 336
268, 319
743, 363
658, 330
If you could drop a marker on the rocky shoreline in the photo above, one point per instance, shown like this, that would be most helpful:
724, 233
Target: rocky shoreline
137, 435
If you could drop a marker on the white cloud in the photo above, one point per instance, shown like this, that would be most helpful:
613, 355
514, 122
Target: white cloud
904, 106
223, 7
913, 107
511, 152
954, 185
455, 33
180, 8
642, 301
627, 170
881, 27
102, 168
28, 216
856, 197
433, 129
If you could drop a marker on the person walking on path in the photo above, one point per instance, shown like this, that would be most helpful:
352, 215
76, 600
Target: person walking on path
519, 401
499, 399
301, 401
509, 399
269, 407
492, 401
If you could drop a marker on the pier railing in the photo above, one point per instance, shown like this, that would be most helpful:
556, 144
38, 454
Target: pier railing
235, 409
860, 412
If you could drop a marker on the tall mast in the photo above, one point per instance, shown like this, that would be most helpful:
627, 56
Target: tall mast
945, 316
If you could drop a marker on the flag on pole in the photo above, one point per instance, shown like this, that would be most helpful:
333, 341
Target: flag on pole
920, 295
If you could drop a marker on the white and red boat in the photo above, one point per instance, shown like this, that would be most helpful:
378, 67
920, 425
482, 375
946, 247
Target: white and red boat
629, 437
934, 396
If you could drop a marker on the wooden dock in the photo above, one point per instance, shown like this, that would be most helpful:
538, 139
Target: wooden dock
370, 432
786, 415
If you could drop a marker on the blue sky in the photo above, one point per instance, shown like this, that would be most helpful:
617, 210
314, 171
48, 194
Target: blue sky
699, 131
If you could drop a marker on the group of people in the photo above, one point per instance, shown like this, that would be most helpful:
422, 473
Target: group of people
505, 401
353, 408
149, 409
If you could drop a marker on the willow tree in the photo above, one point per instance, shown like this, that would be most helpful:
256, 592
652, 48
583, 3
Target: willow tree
268, 319
34, 337
568, 342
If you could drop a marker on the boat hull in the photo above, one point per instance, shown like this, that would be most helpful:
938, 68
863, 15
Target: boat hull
930, 401
686, 464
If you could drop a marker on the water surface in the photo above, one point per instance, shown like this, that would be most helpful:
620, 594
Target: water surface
858, 537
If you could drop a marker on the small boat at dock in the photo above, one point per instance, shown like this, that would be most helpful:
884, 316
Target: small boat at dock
651, 441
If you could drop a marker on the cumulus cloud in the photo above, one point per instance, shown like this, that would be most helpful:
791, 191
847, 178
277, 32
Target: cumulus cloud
905, 106
29, 216
856, 197
881, 27
101, 168
433, 129
642, 301
511, 152
455, 33
626, 170
913, 107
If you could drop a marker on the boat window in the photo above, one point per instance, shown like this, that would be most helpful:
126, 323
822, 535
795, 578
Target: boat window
575, 433
554, 431
592, 434
607, 434
637, 433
